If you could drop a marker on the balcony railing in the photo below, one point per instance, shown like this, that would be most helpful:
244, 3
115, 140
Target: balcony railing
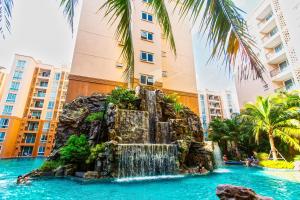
278, 70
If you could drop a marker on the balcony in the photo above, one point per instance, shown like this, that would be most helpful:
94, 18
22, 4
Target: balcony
267, 25
42, 84
271, 41
281, 74
274, 58
286, 88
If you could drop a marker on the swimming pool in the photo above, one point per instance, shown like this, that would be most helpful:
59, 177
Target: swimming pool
190, 188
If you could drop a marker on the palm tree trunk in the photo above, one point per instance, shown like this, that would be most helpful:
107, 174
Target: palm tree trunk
238, 154
272, 144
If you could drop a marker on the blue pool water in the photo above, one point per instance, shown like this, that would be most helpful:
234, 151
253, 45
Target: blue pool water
190, 188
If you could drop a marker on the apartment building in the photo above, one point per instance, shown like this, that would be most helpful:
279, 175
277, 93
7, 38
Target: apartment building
216, 104
33, 98
97, 66
275, 25
2, 80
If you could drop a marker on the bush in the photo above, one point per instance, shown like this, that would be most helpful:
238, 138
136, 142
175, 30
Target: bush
178, 107
94, 116
99, 148
262, 156
171, 98
125, 99
76, 150
277, 164
50, 165
297, 158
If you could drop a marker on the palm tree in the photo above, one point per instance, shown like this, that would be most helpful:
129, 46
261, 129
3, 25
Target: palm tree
227, 29
276, 118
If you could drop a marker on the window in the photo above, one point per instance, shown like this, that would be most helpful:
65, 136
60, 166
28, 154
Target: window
41, 93
147, 1
4, 123
269, 16
14, 86
36, 114
148, 57
18, 75
44, 138
289, 84
11, 97
278, 48
145, 35
2, 136
49, 115
57, 76
147, 17
50, 104
26, 151
273, 31
147, 80
29, 138
41, 150
46, 126
21, 64
283, 65
7, 110
44, 84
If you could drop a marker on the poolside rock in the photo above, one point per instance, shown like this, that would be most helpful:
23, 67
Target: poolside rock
59, 171
91, 175
231, 192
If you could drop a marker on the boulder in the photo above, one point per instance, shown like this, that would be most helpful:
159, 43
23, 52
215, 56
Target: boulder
231, 192
69, 170
59, 171
91, 175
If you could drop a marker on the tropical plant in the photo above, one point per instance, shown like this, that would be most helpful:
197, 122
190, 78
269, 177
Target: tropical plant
94, 117
221, 19
76, 150
123, 98
171, 98
99, 148
50, 165
275, 117
277, 164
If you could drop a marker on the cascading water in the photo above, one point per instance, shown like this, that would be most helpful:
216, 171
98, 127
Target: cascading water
137, 160
217, 155
163, 133
151, 105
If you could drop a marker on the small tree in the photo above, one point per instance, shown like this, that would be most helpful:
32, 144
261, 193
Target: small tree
76, 150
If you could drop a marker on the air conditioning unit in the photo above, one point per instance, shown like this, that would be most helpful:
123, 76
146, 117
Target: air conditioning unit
119, 65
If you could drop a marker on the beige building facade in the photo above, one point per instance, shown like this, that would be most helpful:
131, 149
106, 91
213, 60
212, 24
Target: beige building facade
97, 66
275, 25
3, 75
33, 98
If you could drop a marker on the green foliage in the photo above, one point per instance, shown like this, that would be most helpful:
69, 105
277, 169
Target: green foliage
297, 158
171, 98
94, 116
76, 149
178, 107
50, 165
262, 156
99, 148
277, 164
123, 98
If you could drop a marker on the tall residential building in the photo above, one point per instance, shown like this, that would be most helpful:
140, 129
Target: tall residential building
275, 24
32, 100
2, 80
214, 104
97, 66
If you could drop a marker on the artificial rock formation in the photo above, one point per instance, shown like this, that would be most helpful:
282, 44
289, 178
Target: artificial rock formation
172, 140
231, 192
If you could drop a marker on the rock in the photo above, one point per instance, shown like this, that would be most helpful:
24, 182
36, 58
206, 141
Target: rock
231, 192
59, 171
297, 166
91, 175
79, 174
69, 170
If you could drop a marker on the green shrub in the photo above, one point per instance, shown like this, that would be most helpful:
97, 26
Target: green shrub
178, 107
125, 99
99, 148
76, 150
262, 156
94, 116
50, 165
171, 98
297, 158
277, 164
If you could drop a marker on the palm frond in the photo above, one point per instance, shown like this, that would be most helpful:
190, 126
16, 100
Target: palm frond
69, 11
227, 34
6, 7
162, 16
122, 10
293, 142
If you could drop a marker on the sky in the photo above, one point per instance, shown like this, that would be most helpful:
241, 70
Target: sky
40, 30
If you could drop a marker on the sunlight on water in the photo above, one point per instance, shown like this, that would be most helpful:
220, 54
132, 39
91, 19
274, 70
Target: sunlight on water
147, 178
221, 170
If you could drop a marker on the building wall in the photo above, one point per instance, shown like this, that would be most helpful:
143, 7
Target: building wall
35, 110
2, 80
262, 24
97, 54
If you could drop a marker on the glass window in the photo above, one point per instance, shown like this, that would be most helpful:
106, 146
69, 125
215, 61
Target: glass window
283, 65
147, 1
11, 97
269, 16
44, 84
44, 138
7, 110
18, 75
50, 104
273, 31
2, 136
21, 63
147, 17
41, 150
49, 115
57, 76
26, 151
29, 138
46, 126
146, 79
145, 56
278, 48
4, 123
15, 86
145, 35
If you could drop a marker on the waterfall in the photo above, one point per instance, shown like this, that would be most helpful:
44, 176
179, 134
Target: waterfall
151, 105
217, 155
163, 133
136, 160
